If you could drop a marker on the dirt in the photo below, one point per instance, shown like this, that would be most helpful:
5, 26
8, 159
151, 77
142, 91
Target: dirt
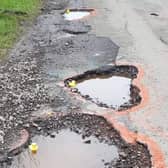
47, 55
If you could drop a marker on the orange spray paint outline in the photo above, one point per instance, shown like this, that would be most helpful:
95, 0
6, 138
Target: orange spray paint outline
157, 158
143, 90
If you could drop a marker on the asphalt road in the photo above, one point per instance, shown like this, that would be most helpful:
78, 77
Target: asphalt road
139, 28
143, 39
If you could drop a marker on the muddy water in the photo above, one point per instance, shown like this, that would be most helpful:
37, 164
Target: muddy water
67, 150
113, 92
74, 15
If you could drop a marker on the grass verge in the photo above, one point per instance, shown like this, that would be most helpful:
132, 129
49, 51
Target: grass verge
12, 12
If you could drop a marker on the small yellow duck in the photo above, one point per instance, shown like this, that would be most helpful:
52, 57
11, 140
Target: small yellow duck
33, 148
67, 11
72, 83
49, 113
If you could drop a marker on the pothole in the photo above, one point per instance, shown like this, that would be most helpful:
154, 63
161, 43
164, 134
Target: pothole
76, 14
109, 87
80, 140
67, 149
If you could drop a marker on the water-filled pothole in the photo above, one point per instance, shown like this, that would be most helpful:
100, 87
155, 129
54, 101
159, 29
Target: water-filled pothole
81, 140
76, 14
67, 149
113, 91
109, 86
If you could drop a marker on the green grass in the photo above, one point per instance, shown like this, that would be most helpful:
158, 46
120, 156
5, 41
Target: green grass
9, 22
8, 31
28, 6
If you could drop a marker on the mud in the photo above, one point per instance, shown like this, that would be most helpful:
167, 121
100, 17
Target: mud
88, 126
109, 86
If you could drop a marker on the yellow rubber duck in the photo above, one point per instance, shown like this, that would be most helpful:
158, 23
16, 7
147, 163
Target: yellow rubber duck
72, 83
49, 113
33, 148
67, 11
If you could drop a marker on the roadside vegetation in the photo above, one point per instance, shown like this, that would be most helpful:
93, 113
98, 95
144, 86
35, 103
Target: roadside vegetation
12, 14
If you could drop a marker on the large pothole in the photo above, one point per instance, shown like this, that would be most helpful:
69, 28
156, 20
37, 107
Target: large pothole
81, 140
76, 14
110, 86
67, 149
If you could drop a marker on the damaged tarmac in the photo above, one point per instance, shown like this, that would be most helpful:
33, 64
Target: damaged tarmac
52, 51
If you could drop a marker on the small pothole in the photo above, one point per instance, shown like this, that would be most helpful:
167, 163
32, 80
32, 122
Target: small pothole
76, 14
109, 87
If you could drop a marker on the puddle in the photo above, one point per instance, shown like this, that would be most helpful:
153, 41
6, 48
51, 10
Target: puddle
109, 87
67, 149
113, 91
75, 14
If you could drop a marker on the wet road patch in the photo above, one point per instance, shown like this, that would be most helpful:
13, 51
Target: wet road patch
76, 14
110, 86
85, 137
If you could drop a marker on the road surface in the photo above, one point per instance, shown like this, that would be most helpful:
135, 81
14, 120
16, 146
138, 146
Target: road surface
139, 28
143, 39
